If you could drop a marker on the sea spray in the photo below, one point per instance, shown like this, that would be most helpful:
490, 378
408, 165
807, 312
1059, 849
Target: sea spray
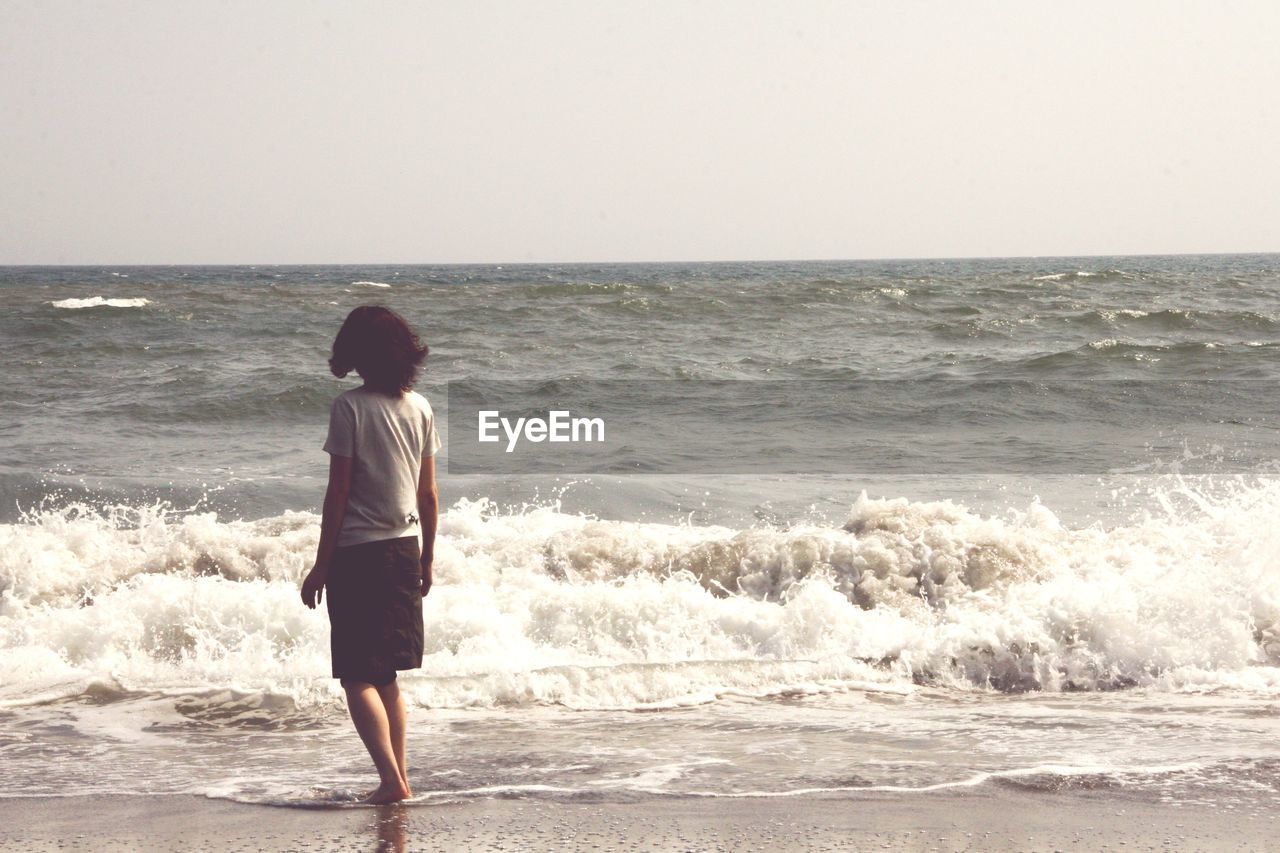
542, 606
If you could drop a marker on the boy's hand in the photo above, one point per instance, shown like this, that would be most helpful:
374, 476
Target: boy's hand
313, 586
426, 575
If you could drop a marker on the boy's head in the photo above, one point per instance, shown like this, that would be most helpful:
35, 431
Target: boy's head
378, 344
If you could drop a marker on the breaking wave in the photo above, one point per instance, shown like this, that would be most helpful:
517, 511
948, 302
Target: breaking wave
100, 302
546, 607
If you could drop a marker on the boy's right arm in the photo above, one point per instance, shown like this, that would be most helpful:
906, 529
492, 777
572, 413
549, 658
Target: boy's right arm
335, 508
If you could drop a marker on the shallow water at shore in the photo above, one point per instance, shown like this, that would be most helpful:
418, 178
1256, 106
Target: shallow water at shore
1138, 746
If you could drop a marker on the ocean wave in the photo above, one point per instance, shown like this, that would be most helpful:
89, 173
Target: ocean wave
1052, 777
1185, 358
595, 288
1081, 274
1168, 319
545, 607
185, 399
1130, 347
1044, 777
1174, 319
101, 302
369, 284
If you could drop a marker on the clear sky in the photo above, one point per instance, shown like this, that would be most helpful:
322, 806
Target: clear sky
293, 131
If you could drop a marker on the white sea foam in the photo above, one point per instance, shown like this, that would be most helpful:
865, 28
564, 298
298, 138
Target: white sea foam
1061, 276
1132, 313
548, 607
659, 780
370, 284
100, 302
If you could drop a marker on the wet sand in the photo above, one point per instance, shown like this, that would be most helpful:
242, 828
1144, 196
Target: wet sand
951, 821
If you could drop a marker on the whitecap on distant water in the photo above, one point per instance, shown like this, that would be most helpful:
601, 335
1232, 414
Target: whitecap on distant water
99, 302
1061, 276
371, 283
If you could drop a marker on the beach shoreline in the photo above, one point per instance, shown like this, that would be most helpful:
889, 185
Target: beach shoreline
994, 620
971, 820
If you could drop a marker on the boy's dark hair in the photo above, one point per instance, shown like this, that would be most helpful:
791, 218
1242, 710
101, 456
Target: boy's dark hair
378, 344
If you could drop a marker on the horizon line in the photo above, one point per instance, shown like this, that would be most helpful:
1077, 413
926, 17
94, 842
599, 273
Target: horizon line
648, 262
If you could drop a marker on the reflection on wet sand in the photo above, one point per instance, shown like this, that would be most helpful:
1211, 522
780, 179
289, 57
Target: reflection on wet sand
392, 827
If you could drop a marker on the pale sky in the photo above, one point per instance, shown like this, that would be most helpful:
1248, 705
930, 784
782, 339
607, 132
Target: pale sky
322, 132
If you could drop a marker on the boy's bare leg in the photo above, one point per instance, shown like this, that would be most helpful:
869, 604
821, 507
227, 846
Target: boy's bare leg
370, 718
396, 723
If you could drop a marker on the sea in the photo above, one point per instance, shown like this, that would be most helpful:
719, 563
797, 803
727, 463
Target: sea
1038, 550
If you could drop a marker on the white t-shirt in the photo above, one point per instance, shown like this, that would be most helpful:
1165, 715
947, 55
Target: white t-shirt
386, 437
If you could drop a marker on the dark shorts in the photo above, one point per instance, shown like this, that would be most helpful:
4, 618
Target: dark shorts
374, 597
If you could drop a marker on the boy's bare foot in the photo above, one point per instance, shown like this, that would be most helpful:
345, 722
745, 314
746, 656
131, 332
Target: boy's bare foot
388, 793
